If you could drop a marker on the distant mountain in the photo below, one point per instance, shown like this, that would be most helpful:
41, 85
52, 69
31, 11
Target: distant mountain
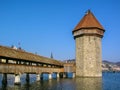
117, 63
106, 65
111, 63
104, 61
107, 62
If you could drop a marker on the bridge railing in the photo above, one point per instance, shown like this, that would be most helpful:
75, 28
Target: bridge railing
16, 68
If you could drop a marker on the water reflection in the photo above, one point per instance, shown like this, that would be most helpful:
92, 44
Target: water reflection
4, 86
88, 83
61, 84
17, 87
109, 81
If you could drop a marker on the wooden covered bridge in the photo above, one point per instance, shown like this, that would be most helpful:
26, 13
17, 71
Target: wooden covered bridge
17, 61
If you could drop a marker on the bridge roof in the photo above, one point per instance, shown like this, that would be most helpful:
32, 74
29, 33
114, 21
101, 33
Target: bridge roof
10, 53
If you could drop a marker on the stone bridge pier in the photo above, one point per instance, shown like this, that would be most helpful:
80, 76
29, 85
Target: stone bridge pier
17, 79
69, 67
39, 76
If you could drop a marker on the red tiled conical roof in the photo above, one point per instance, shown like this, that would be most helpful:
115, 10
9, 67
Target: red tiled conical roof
88, 21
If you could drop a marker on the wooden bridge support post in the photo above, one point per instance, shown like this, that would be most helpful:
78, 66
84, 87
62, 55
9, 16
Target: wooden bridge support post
58, 75
73, 76
4, 79
37, 77
27, 78
64, 75
41, 76
61, 75
50, 75
17, 79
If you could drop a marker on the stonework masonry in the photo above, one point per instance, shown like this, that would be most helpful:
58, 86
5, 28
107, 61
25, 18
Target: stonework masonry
88, 56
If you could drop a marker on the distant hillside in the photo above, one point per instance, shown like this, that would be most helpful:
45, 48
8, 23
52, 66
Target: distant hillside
104, 62
111, 63
117, 63
106, 65
107, 62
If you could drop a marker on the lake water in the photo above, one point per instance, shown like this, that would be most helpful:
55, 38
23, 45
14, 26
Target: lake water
109, 81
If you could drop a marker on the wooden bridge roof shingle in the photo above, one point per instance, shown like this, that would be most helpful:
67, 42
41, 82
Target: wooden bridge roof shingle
11, 53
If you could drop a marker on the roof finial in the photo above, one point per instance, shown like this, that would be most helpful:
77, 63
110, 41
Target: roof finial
88, 11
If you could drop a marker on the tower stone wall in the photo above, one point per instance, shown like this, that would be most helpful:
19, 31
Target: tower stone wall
88, 56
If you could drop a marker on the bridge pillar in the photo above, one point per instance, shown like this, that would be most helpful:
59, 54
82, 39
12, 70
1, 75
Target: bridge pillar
73, 76
41, 76
58, 75
64, 75
50, 75
17, 79
37, 77
27, 78
4, 79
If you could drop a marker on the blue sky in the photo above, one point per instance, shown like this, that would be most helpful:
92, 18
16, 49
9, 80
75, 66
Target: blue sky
45, 26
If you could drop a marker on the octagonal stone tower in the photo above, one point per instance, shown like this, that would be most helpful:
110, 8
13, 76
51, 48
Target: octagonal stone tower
88, 34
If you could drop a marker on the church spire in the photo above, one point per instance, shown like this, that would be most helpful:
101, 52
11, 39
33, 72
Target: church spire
51, 55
